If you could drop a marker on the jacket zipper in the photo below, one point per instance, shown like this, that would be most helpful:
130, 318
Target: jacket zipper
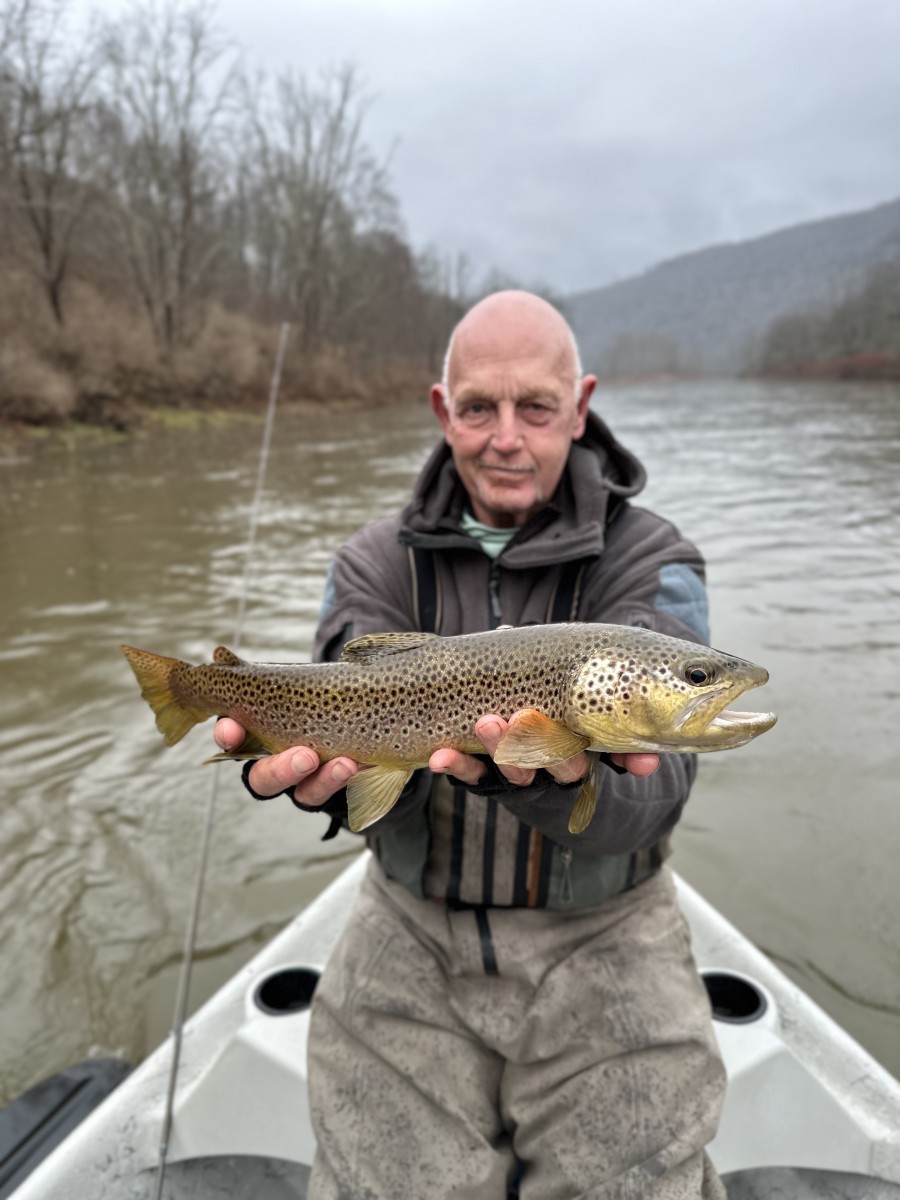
566, 895
494, 593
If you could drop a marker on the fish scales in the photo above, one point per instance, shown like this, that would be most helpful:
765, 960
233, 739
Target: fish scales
393, 699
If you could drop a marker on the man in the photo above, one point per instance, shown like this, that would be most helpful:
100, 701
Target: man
508, 998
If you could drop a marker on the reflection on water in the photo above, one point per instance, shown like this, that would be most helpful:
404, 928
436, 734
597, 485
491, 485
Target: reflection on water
790, 491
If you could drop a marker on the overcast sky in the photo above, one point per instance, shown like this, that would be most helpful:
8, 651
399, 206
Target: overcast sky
575, 142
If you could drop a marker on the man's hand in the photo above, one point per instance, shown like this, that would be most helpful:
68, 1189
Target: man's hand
298, 768
489, 729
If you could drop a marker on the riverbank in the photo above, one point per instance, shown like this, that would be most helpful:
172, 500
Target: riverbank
104, 368
863, 368
19, 439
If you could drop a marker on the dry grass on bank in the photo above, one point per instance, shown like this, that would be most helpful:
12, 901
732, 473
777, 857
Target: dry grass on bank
104, 367
868, 367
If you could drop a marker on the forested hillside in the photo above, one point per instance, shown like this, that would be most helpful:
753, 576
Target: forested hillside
857, 338
163, 209
711, 312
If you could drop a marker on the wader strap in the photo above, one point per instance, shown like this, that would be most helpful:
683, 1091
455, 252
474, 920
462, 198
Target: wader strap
564, 603
645, 863
425, 596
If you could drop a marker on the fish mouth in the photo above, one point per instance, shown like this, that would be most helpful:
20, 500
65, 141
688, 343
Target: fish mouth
746, 723
730, 718
709, 725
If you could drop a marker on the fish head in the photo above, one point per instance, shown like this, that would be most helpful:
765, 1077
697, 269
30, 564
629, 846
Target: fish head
656, 693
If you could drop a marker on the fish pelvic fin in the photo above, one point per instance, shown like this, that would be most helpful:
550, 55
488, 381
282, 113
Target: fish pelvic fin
174, 717
535, 740
372, 793
586, 804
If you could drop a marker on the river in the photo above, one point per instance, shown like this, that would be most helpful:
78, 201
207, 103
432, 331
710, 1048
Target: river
791, 491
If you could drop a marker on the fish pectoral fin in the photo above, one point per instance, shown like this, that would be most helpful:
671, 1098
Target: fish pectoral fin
535, 740
223, 657
586, 804
377, 645
372, 793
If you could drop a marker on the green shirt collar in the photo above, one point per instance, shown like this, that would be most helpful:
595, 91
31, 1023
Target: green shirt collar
493, 541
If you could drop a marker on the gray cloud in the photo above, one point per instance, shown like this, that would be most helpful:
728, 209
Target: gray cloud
580, 142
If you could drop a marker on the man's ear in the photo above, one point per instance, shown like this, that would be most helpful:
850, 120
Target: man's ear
585, 391
438, 404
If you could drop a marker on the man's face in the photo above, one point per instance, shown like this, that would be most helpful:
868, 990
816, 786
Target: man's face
510, 423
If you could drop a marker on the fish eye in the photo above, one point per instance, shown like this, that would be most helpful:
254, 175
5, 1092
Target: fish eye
699, 675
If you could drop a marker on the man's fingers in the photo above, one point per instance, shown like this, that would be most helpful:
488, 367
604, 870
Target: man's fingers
489, 730
228, 734
299, 769
637, 764
570, 769
463, 767
276, 772
322, 784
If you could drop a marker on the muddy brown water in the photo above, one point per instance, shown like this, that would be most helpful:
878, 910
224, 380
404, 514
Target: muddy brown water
792, 492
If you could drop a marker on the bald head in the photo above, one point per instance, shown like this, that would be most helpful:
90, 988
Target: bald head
511, 403
512, 326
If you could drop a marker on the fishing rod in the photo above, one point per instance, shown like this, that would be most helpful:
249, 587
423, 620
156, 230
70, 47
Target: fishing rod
190, 939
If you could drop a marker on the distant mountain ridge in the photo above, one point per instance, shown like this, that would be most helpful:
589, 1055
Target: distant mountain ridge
707, 312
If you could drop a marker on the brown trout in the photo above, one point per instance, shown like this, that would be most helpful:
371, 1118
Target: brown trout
394, 698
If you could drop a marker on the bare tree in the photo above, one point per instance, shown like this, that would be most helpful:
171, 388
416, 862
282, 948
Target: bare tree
321, 188
120, 151
46, 102
172, 79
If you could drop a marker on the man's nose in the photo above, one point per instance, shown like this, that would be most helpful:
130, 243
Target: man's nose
507, 433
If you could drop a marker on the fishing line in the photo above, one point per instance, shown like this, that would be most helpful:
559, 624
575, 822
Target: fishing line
190, 939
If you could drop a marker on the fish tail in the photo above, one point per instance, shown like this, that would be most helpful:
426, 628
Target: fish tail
155, 673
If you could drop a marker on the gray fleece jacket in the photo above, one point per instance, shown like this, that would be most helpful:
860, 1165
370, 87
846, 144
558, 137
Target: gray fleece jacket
500, 844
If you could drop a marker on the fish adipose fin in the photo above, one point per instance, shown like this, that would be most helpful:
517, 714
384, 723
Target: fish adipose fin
377, 645
586, 804
174, 718
535, 740
372, 793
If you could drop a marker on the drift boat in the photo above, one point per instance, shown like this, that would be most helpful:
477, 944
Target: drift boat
808, 1113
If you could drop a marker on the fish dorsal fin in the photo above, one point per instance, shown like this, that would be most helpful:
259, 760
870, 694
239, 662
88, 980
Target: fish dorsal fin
535, 740
372, 793
377, 645
223, 657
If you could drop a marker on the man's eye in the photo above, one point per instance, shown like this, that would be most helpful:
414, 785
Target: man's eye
475, 411
536, 412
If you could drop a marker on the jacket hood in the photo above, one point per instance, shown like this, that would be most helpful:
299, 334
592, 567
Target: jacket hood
599, 475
